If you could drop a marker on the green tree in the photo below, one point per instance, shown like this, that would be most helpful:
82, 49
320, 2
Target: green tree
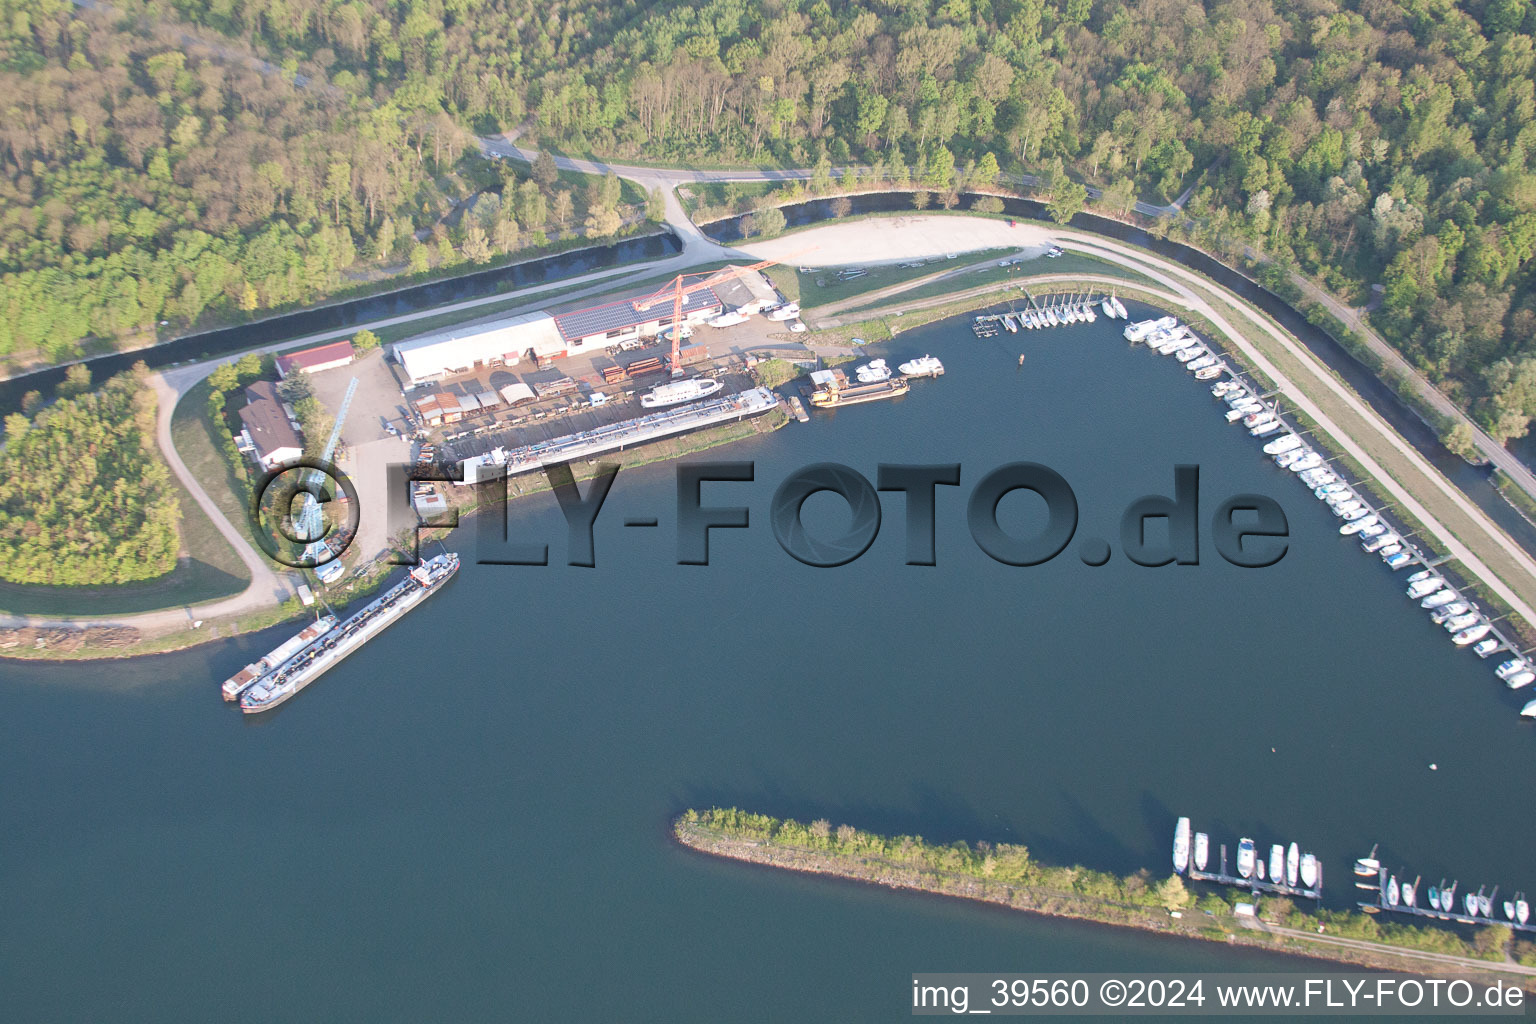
1067, 202
544, 170
224, 378
655, 206
506, 233
476, 248
770, 221
364, 341
77, 381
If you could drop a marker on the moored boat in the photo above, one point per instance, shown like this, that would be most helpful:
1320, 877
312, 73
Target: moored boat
1392, 891
922, 366
1471, 635
1276, 862
1367, 866
1245, 858
1308, 870
679, 391
1292, 864
874, 371
1202, 850
253, 673
1181, 845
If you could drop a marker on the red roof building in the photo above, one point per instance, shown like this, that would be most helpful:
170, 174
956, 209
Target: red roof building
313, 360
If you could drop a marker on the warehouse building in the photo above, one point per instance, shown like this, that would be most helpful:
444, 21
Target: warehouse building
313, 360
613, 323
466, 349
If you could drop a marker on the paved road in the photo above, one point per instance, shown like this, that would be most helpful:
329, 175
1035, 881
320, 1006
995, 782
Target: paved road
1494, 452
1461, 963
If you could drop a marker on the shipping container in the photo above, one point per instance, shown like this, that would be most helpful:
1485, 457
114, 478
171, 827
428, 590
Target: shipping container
690, 354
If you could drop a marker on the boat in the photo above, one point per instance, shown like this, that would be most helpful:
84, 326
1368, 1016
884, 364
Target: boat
1470, 902
1107, 304
1292, 864
1471, 634
1347, 508
788, 311
922, 366
1052, 319
679, 391
1529, 711
1199, 363
1356, 525
729, 319
1483, 648
1245, 858
1185, 355
1392, 891
1439, 599
1410, 893
1202, 850
1323, 490
1520, 680
1422, 574
1210, 372
1447, 897
1397, 559
1010, 323
1120, 310
1378, 542
1457, 623
1239, 412
1308, 870
1509, 910
1181, 845
1419, 588
1138, 331
1367, 866
1450, 611
1374, 530
1264, 427
308, 665
874, 371
1484, 904
1512, 667
1434, 896
253, 673
1522, 909
1276, 863
1258, 870
828, 397
1283, 444
1308, 460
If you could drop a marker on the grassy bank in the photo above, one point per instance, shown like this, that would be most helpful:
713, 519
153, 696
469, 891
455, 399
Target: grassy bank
1007, 875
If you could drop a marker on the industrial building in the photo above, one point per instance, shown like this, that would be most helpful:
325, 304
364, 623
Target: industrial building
313, 360
556, 334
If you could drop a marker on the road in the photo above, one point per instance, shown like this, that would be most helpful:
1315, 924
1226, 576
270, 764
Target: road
1460, 963
1492, 450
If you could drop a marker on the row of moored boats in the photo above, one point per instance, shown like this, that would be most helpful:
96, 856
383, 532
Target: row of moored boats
1168, 337
1439, 900
1053, 312
1286, 867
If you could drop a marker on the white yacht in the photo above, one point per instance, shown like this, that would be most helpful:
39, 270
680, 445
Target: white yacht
1514, 666
1216, 369
1199, 363
1529, 711
1292, 864
1457, 623
1277, 863
1449, 611
874, 371
1357, 525
1308, 460
1282, 444
1308, 870
1471, 635
1185, 355
1108, 306
1410, 893
1419, 588
1520, 679
679, 391
1522, 909
1245, 858
1181, 845
922, 366
1139, 330
1119, 308
1010, 323
1439, 599
1202, 850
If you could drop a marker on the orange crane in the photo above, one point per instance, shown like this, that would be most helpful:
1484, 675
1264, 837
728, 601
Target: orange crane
676, 290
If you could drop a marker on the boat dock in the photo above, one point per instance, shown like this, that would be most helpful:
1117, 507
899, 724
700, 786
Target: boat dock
1451, 917
500, 462
1257, 885
1436, 902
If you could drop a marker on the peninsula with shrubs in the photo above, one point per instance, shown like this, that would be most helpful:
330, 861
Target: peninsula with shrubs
1007, 875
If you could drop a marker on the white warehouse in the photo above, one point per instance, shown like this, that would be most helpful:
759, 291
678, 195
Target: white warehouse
465, 349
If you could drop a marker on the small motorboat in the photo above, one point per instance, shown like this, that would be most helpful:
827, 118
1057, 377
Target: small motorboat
1308, 870
1422, 574
1434, 896
1520, 680
1293, 864
1471, 635
873, 372
1210, 372
1457, 623
1199, 363
1484, 648
1529, 711
1277, 863
1357, 525
1398, 559
1245, 859
1202, 850
1181, 845
1450, 611
1375, 544
1509, 910
1484, 904
1438, 598
1419, 588
1308, 460
1514, 666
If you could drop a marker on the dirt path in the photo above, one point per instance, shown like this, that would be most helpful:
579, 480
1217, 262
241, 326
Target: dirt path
1461, 963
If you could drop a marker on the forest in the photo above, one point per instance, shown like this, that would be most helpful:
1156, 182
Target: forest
84, 495
153, 169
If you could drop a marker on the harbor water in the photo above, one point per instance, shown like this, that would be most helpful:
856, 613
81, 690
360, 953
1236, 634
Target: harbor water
468, 819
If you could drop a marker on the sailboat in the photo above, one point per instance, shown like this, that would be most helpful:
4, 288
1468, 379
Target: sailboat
1485, 903
1448, 898
1434, 895
1392, 891
1470, 900
1522, 909
1410, 892
1509, 909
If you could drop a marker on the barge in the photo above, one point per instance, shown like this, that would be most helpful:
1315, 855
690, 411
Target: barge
832, 389
249, 676
320, 655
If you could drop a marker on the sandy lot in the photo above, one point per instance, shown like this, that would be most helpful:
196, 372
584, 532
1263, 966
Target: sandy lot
893, 239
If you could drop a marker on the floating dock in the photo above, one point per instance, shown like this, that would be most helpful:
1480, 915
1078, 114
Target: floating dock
585, 444
1256, 884
1456, 915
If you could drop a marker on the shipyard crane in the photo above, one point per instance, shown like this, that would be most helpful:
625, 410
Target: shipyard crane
310, 522
676, 290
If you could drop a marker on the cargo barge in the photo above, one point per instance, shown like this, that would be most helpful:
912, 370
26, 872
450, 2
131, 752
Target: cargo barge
310, 663
832, 389
248, 677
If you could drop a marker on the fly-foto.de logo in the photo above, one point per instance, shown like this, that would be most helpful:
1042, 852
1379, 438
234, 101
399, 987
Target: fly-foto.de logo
1246, 530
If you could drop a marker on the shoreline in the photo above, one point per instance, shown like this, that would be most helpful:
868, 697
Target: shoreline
699, 836
210, 632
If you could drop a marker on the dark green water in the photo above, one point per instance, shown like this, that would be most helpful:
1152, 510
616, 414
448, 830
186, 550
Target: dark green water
468, 819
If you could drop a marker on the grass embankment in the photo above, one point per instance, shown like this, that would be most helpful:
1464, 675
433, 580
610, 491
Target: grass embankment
821, 286
1007, 875
1020, 273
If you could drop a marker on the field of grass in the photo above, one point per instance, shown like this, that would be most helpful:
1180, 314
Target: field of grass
1071, 263
822, 286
